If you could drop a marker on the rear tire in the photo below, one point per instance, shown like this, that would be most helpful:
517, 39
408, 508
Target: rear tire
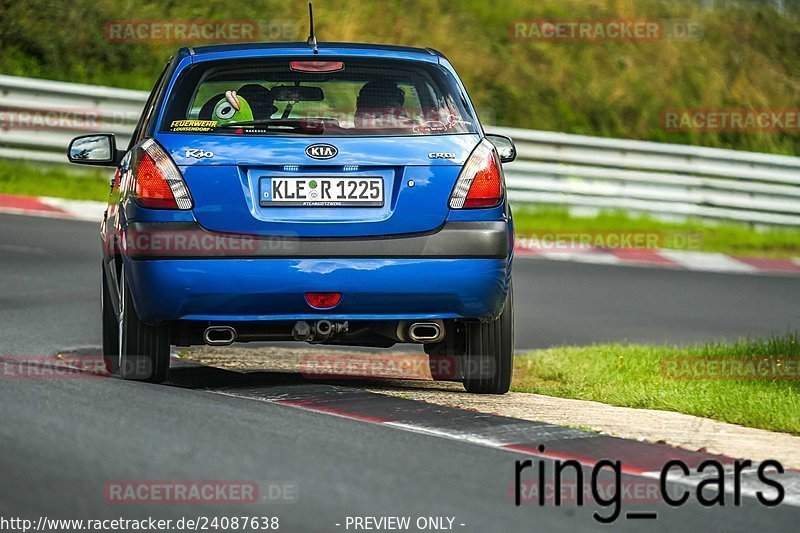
145, 348
110, 327
488, 361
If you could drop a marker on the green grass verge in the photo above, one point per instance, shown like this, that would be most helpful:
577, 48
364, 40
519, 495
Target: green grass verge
27, 179
633, 376
692, 234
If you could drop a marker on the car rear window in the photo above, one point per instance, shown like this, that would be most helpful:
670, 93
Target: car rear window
338, 97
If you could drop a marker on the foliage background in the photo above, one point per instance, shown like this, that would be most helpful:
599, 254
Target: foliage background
746, 58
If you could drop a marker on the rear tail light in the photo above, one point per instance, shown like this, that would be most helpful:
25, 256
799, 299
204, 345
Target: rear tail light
323, 300
158, 183
480, 183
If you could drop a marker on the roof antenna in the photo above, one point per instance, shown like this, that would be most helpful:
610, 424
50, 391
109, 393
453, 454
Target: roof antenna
312, 39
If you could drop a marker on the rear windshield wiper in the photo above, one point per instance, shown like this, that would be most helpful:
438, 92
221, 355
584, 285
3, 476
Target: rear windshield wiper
286, 125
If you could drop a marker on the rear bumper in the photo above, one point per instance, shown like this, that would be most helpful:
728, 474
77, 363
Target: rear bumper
460, 270
183, 240
241, 290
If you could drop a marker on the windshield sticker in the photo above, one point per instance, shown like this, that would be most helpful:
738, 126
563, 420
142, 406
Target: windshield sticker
192, 125
437, 125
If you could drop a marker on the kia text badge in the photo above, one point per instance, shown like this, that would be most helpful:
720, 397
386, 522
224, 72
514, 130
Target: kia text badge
321, 151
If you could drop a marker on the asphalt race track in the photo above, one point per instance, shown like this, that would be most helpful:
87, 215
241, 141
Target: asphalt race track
63, 440
50, 276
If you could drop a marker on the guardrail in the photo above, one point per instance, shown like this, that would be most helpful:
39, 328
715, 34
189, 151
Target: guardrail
552, 168
39, 117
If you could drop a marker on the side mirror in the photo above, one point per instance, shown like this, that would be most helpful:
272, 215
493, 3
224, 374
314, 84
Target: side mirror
96, 149
505, 147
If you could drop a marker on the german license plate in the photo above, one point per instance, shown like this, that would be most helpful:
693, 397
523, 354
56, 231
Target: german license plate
280, 191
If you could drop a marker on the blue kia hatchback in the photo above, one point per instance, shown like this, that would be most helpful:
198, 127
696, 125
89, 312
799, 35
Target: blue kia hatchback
343, 195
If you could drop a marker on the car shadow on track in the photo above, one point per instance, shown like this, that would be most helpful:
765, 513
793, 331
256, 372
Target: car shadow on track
188, 374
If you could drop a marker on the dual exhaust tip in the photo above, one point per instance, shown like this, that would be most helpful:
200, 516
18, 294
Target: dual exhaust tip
219, 336
426, 332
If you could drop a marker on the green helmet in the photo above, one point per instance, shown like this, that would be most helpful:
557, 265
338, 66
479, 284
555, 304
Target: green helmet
232, 109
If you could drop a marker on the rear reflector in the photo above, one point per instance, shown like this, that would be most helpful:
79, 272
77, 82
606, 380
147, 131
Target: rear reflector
323, 300
316, 66
480, 183
159, 184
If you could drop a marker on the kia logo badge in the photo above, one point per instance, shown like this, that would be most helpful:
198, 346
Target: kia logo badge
321, 151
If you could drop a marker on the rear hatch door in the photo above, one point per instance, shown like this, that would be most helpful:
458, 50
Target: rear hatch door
372, 186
